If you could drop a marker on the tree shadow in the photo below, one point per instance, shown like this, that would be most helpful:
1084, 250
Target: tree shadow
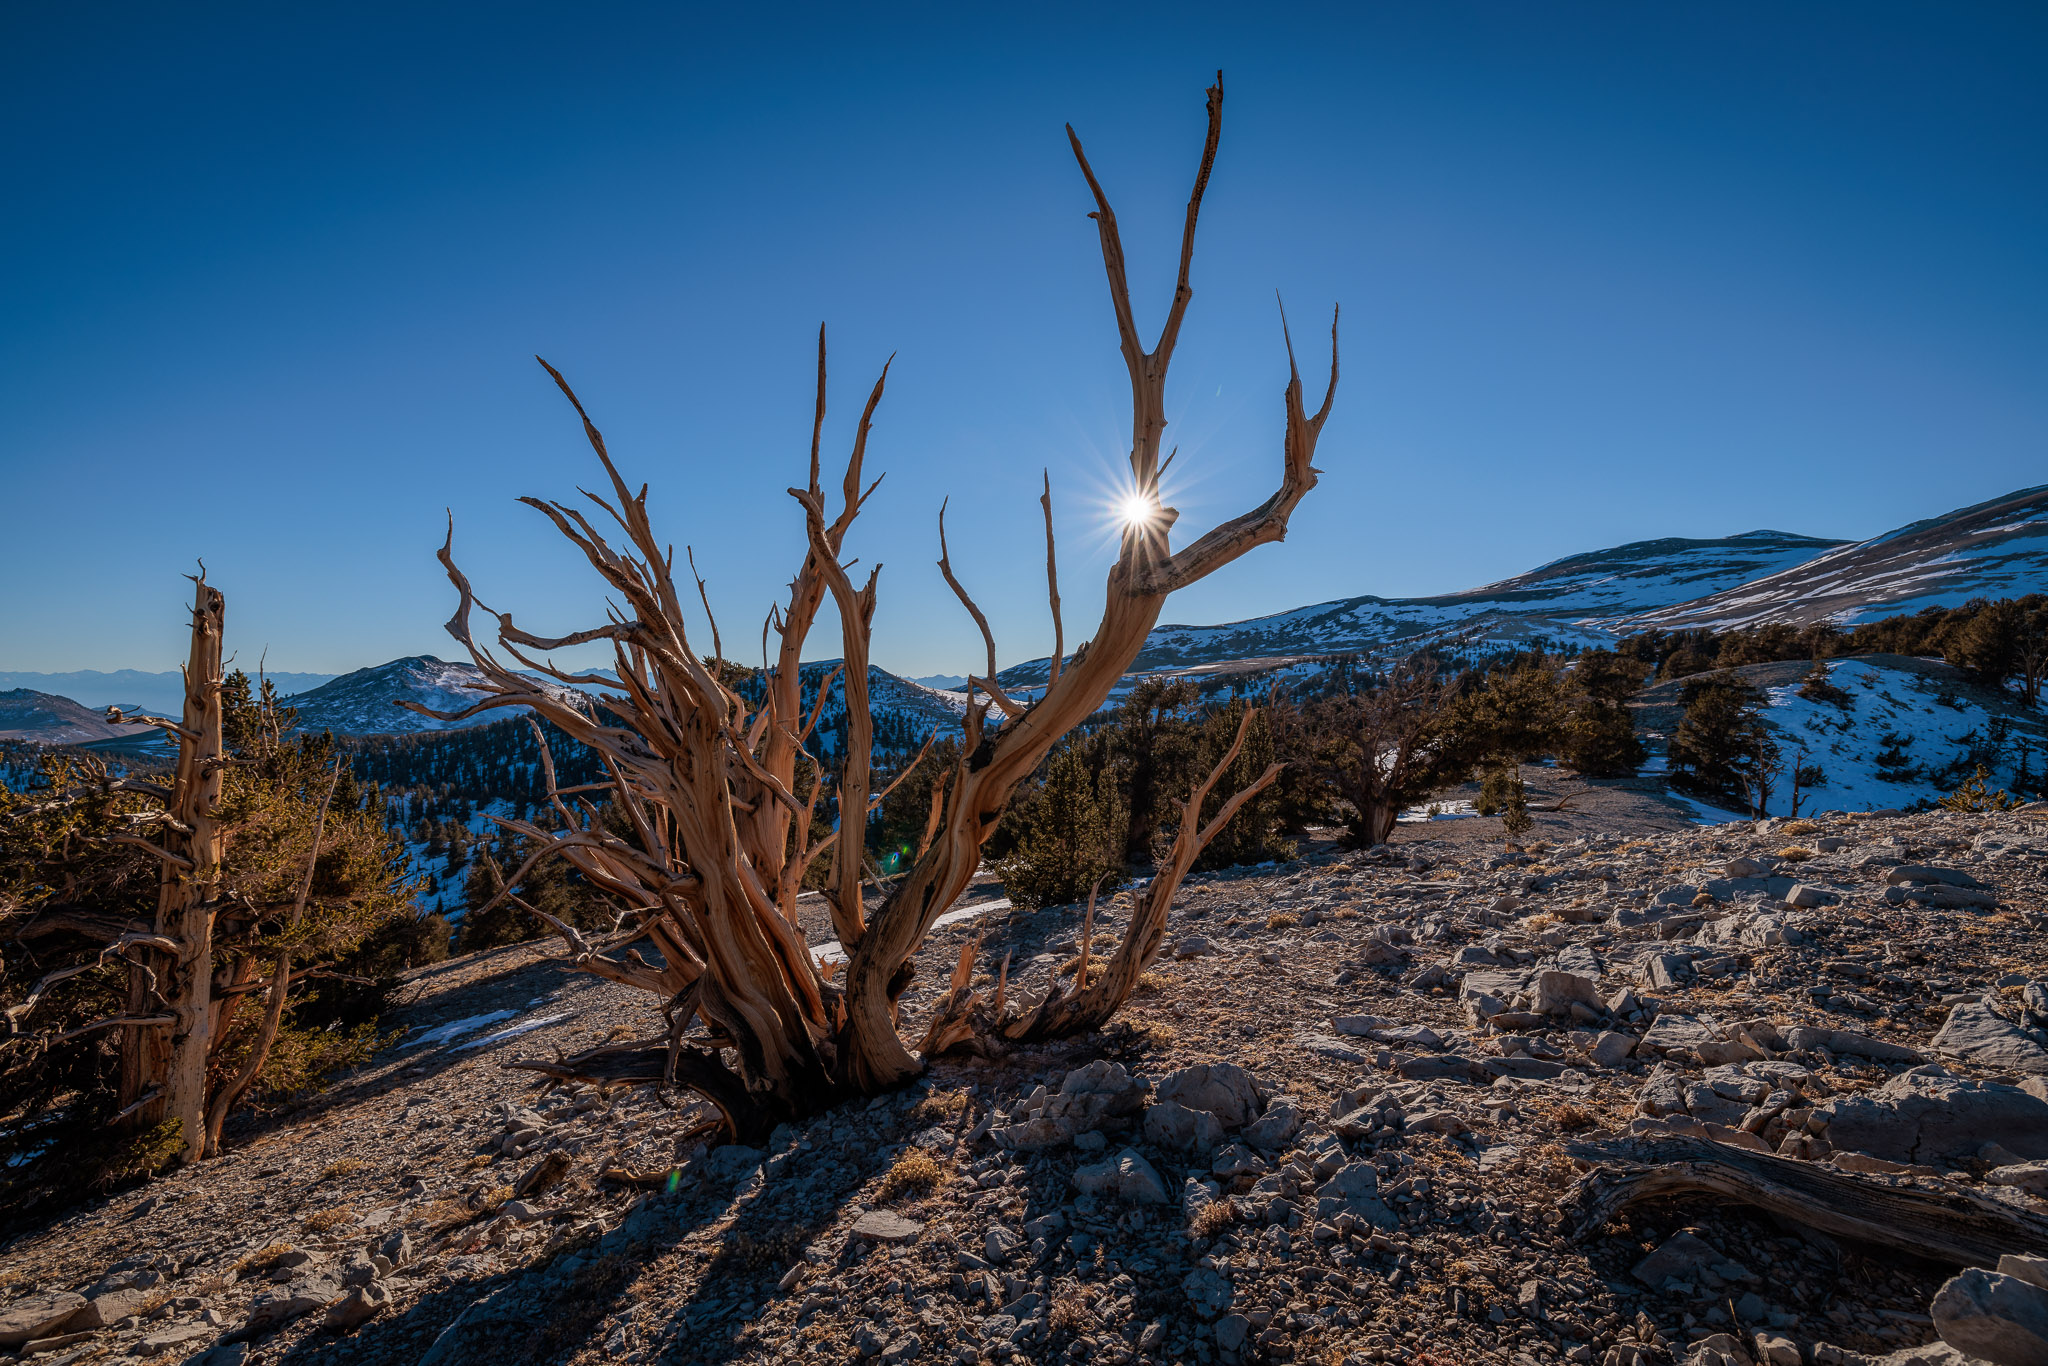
547, 1312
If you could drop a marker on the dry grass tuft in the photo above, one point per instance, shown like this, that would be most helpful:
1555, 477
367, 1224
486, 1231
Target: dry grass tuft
347, 1166
482, 1160
1798, 827
1571, 1117
1070, 1310
262, 1259
329, 1218
1212, 1218
496, 1196
1795, 853
1153, 1034
1095, 968
1280, 920
937, 1106
1149, 982
914, 1171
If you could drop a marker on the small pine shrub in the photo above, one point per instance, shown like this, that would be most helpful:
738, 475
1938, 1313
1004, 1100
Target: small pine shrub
1975, 795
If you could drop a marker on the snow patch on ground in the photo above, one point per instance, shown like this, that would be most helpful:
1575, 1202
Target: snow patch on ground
523, 1027
1437, 811
457, 1028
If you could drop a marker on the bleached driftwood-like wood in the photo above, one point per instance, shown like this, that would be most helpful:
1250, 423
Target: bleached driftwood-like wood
1942, 1223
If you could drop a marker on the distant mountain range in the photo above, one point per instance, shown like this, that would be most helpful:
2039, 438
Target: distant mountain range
363, 703
1993, 549
162, 694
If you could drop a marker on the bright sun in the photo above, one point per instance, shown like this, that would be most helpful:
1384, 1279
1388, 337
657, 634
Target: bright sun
1136, 510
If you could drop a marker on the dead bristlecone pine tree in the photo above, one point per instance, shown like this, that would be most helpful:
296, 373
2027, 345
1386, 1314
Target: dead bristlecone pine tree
707, 780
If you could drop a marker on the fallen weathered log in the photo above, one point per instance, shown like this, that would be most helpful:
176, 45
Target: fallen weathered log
1942, 1225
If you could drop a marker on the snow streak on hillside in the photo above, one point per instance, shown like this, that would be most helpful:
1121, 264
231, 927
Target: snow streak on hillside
1994, 549
1562, 602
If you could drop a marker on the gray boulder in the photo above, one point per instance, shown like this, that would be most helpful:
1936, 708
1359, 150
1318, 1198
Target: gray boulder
1976, 1033
357, 1308
1208, 1293
1098, 1095
1127, 1176
2000, 1318
1224, 1089
1174, 1126
104, 1311
1926, 1114
302, 1296
37, 1316
1557, 992
1354, 1190
1273, 1129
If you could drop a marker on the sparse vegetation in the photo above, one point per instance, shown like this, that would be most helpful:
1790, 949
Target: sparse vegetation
1212, 1218
913, 1173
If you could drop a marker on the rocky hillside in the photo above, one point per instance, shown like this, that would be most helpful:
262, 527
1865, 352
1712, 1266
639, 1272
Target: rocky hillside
1383, 1107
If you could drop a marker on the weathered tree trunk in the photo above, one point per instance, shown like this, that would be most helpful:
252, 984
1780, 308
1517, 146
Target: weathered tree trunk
163, 1071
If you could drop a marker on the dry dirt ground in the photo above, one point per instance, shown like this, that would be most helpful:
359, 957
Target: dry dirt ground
1385, 1180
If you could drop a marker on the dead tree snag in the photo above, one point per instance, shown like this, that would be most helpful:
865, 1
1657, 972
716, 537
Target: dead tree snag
707, 778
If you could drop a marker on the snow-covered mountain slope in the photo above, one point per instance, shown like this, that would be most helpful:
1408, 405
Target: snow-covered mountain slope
1561, 601
905, 712
48, 719
362, 703
1994, 549
1897, 732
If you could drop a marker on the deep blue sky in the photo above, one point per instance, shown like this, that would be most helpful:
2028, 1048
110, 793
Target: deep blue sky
273, 278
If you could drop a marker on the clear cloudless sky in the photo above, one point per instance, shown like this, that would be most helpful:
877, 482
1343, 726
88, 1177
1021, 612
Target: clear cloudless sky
272, 278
